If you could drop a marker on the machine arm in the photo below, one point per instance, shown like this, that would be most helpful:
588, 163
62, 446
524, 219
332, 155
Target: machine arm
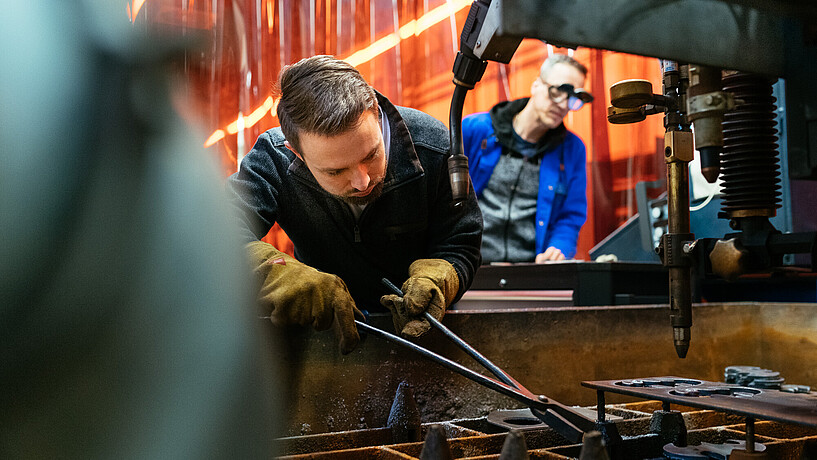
481, 40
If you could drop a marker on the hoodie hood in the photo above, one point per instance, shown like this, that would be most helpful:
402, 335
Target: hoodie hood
502, 118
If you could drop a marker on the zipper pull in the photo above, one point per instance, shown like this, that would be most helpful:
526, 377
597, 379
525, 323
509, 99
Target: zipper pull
357, 234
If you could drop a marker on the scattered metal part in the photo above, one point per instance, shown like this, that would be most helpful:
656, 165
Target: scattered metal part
707, 451
791, 388
519, 419
725, 390
404, 418
435, 446
661, 382
749, 402
593, 447
514, 447
753, 376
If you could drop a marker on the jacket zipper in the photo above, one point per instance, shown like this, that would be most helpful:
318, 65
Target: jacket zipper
356, 227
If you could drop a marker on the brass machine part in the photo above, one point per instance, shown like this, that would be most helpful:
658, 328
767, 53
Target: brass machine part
729, 259
632, 101
628, 99
678, 152
623, 116
631, 94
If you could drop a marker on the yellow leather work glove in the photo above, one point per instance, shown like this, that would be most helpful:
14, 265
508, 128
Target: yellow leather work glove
432, 286
295, 293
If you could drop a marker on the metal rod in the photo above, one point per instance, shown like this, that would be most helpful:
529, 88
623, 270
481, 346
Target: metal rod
665, 406
561, 418
600, 415
488, 382
494, 369
750, 434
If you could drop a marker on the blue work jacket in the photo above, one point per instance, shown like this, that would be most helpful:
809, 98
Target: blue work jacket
561, 207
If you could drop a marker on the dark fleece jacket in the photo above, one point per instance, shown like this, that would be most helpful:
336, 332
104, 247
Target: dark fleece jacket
413, 218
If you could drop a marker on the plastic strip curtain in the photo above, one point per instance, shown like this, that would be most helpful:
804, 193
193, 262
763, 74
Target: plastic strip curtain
405, 49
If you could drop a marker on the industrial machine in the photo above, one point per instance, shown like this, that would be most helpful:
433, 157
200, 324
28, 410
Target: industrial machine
583, 351
719, 61
716, 98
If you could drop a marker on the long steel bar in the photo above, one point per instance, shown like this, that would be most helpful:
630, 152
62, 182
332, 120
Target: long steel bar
488, 382
494, 369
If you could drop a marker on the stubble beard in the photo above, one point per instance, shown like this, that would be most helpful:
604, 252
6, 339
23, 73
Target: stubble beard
362, 200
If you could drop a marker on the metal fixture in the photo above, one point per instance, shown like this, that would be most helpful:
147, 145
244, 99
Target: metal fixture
567, 422
800, 409
632, 101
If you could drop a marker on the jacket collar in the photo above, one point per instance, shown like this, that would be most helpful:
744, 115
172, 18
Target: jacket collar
502, 118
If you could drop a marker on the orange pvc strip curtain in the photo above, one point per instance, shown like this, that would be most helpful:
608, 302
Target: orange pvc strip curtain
405, 49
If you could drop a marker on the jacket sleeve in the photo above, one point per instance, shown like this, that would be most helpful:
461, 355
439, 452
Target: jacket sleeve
470, 135
456, 232
564, 228
254, 190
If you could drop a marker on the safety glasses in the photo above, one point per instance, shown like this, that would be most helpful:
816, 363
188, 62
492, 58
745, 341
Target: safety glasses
576, 98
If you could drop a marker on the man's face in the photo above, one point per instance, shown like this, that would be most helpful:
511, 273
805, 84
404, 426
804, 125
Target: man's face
551, 113
351, 165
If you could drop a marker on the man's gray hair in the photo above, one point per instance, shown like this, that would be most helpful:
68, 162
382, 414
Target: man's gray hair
560, 59
322, 95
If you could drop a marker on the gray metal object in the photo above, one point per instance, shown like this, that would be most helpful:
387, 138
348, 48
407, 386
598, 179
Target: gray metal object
404, 418
436, 446
749, 402
514, 447
707, 450
491, 44
734, 35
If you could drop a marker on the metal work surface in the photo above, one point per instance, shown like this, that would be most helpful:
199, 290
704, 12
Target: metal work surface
549, 351
751, 402
481, 438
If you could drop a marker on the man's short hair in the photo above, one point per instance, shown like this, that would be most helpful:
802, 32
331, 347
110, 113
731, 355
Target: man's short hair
322, 95
560, 59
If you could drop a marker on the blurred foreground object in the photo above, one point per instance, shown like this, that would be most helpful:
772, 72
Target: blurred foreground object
127, 327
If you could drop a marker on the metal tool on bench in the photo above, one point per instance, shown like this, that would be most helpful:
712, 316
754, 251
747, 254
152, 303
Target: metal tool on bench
564, 420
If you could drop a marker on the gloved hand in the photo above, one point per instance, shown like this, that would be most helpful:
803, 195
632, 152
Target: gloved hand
295, 293
432, 286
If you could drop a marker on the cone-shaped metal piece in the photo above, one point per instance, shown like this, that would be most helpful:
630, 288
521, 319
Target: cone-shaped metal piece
435, 446
593, 447
404, 418
515, 447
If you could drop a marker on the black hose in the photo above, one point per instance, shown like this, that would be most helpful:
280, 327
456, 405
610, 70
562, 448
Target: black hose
457, 162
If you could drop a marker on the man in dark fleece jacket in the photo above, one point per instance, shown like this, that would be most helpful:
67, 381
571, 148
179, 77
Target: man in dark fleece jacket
361, 188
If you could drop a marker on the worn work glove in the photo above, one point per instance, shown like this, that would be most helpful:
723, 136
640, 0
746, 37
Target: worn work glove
432, 286
295, 293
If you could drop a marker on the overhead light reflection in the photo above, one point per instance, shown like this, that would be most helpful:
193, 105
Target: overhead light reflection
412, 28
134, 10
